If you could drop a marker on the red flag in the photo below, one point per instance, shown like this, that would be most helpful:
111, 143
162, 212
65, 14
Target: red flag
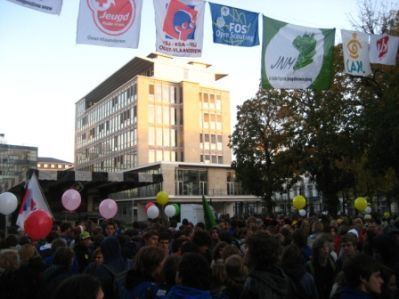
33, 200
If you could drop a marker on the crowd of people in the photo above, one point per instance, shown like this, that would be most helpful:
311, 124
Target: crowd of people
256, 257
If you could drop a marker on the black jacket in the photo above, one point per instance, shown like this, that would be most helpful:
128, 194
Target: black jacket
271, 284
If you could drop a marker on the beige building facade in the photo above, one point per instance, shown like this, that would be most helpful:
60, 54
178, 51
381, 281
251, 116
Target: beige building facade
158, 113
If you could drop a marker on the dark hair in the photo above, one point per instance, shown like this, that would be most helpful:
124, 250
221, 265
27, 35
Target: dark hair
148, 259
81, 286
63, 257
202, 238
189, 246
177, 243
263, 251
194, 271
299, 238
360, 266
317, 246
65, 226
349, 238
292, 257
170, 268
149, 233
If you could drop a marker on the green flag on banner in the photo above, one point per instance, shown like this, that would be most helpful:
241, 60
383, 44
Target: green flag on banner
296, 57
209, 216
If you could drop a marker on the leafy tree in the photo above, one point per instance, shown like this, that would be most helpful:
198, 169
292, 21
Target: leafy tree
263, 133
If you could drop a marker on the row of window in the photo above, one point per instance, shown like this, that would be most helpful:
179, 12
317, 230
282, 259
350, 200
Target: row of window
165, 115
156, 155
119, 142
119, 100
215, 159
112, 164
166, 137
211, 121
165, 93
116, 123
211, 101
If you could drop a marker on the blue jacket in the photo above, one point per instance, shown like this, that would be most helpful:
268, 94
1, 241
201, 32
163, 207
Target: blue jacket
351, 293
183, 292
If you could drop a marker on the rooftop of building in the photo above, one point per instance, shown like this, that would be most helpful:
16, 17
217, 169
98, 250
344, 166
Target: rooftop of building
51, 160
139, 66
13, 146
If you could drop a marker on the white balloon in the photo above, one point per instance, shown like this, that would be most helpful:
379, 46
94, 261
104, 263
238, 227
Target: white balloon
8, 203
367, 210
153, 212
170, 211
302, 213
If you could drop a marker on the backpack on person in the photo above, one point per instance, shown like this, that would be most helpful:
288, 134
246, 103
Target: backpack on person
119, 289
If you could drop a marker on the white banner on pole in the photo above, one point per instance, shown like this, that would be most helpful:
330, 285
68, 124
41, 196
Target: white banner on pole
356, 53
383, 49
112, 23
48, 6
179, 27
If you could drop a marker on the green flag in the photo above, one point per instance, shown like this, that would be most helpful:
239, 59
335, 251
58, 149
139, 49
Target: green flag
296, 57
209, 217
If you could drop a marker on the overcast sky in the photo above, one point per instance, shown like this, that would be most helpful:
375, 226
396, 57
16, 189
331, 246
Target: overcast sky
43, 72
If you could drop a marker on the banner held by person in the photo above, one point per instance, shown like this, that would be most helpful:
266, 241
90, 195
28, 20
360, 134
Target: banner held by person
296, 57
233, 26
47, 6
32, 200
383, 49
179, 27
355, 47
209, 216
112, 23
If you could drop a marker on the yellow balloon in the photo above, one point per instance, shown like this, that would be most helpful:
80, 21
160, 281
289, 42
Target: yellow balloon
360, 204
299, 202
386, 214
162, 198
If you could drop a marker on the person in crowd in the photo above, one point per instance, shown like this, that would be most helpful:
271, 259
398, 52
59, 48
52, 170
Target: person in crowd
202, 239
58, 272
192, 284
300, 240
113, 265
164, 240
30, 271
9, 265
57, 243
390, 287
317, 230
67, 233
110, 229
82, 286
236, 274
348, 249
97, 259
292, 262
266, 279
83, 251
169, 271
322, 266
151, 238
362, 278
143, 280
177, 245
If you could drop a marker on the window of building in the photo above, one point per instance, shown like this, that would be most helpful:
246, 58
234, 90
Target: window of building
151, 89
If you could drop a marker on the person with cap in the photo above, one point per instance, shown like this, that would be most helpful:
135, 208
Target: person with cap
83, 251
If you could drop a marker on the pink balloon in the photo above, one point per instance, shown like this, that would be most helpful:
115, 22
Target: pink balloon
71, 199
108, 208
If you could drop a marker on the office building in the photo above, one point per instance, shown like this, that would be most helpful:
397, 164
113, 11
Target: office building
160, 114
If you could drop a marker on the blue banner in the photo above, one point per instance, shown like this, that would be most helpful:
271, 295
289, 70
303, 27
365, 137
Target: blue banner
233, 26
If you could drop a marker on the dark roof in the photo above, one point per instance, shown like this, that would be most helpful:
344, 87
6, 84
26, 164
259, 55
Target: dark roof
51, 160
134, 67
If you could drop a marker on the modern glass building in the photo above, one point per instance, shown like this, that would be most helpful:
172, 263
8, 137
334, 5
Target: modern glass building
163, 115
15, 161
153, 109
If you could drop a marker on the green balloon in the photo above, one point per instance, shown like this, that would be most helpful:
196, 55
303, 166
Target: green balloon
177, 208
